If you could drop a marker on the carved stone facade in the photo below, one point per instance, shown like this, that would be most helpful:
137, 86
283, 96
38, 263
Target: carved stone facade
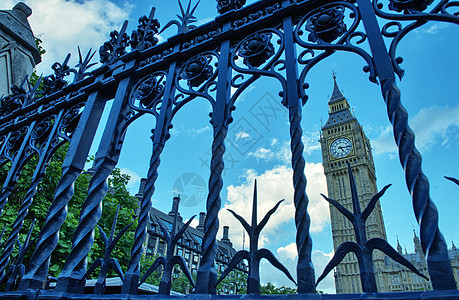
402, 280
18, 52
343, 140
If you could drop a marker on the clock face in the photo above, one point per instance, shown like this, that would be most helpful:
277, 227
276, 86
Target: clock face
341, 147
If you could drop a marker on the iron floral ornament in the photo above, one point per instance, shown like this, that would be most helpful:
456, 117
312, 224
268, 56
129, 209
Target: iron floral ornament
409, 6
326, 25
144, 36
363, 248
197, 70
224, 6
255, 255
257, 49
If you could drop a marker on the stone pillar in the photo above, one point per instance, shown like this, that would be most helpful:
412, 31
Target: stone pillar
18, 52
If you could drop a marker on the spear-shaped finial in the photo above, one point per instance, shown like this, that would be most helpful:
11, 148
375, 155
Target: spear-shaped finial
255, 254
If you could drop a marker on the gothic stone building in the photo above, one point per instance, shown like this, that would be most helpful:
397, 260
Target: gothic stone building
401, 279
189, 246
343, 140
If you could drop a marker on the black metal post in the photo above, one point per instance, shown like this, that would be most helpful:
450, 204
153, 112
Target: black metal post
305, 269
73, 165
71, 278
207, 273
433, 243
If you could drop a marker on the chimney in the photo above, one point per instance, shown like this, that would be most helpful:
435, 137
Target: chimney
225, 238
175, 205
141, 191
202, 219
139, 194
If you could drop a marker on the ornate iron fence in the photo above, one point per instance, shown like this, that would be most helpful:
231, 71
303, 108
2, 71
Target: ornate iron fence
143, 77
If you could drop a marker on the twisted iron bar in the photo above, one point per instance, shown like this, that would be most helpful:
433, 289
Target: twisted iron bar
38, 175
70, 279
49, 236
19, 222
432, 241
132, 275
305, 269
207, 273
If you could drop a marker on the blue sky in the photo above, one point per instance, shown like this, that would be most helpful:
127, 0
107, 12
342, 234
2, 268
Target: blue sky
258, 140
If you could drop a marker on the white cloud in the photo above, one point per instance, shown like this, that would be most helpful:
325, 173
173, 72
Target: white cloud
63, 25
198, 131
311, 142
274, 185
134, 181
288, 256
435, 28
320, 260
193, 223
241, 135
278, 151
281, 150
431, 126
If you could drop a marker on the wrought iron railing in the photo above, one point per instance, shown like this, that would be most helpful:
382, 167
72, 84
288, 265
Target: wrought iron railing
143, 77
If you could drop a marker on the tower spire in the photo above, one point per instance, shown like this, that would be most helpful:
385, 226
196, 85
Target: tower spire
336, 95
399, 248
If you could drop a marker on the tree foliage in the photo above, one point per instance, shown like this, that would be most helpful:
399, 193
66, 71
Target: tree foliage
117, 195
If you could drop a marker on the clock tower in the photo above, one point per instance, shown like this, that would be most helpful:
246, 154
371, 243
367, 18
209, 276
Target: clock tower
343, 140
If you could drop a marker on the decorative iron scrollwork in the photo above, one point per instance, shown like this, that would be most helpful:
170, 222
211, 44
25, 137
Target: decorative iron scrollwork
41, 132
267, 11
224, 6
111, 50
14, 142
257, 49
70, 121
13, 102
197, 70
56, 82
144, 36
409, 6
147, 93
326, 25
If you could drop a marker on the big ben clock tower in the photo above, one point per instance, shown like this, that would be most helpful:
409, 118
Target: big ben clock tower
343, 140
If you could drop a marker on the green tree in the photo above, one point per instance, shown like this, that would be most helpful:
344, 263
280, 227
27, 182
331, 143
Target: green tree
270, 288
117, 195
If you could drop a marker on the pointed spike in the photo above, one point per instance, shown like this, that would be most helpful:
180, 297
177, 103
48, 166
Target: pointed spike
188, 7
79, 55
181, 7
254, 206
354, 195
66, 60
194, 8
26, 79
112, 232
123, 29
152, 13
26, 242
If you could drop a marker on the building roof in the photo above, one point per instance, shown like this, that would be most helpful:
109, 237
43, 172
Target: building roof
336, 95
341, 116
14, 22
338, 118
191, 235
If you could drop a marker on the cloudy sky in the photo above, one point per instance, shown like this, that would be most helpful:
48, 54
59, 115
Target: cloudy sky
258, 140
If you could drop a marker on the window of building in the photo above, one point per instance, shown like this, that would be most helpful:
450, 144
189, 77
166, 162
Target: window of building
161, 247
